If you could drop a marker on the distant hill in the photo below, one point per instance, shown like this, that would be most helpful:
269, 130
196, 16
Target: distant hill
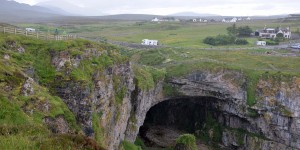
128, 17
56, 10
192, 14
11, 11
69, 8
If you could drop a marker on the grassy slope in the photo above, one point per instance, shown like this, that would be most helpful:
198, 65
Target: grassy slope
21, 117
179, 61
252, 63
168, 33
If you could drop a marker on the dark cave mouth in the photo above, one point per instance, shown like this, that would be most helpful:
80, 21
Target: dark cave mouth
169, 119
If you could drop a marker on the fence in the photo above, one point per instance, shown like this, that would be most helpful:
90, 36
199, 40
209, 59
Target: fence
37, 34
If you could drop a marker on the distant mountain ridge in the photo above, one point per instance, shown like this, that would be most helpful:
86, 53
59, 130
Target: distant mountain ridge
12, 11
189, 14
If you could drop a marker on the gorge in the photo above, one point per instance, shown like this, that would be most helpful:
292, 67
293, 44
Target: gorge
90, 89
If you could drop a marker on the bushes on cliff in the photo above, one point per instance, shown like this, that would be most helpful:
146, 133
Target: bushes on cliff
147, 77
129, 146
186, 142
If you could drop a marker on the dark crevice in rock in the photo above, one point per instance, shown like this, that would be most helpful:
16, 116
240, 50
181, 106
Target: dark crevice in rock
167, 120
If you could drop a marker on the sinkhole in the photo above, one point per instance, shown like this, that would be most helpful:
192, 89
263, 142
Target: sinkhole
169, 119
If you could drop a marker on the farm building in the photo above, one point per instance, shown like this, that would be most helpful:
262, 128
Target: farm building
227, 20
271, 33
155, 19
30, 29
165, 19
293, 17
149, 42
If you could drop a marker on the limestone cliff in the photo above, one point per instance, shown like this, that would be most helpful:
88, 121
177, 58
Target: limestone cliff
271, 123
84, 89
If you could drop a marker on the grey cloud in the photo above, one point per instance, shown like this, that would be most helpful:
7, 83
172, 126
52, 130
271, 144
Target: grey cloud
95, 7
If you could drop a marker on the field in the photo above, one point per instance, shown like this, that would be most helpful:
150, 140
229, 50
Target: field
186, 52
175, 34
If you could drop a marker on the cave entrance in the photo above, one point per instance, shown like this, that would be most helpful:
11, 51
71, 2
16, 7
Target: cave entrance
169, 119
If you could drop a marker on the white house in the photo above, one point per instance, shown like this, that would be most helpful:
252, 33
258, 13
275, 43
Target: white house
194, 20
155, 19
248, 18
261, 43
149, 42
30, 29
272, 33
234, 19
285, 32
227, 20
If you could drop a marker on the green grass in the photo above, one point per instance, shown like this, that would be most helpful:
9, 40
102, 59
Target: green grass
188, 141
252, 64
11, 114
170, 91
21, 117
173, 34
98, 129
129, 146
140, 142
183, 57
147, 76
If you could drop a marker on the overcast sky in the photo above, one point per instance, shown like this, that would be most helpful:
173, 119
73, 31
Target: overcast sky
165, 7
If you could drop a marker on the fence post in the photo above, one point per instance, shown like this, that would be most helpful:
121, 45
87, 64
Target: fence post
37, 34
15, 31
26, 33
47, 35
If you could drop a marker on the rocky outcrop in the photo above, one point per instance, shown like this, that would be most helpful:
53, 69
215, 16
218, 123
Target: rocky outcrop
115, 115
27, 88
95, 103
278, 106
120, 106
275, 123
142, 101
57, 124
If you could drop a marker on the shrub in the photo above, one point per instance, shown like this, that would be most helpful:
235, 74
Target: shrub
241, 42
129, 146
188, 141
244, 31
210, 40
140, 142
224, 40
279, 35
271, 42
220, 40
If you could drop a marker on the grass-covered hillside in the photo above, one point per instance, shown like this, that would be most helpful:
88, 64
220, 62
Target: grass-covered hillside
30, 106
175, 34
30, 110
254, 64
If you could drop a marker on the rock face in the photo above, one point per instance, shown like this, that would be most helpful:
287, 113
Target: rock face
57, 125
274, 125
95, 104
273, 122
27, 88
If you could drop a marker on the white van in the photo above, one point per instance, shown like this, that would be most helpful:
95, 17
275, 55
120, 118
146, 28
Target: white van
297, 46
